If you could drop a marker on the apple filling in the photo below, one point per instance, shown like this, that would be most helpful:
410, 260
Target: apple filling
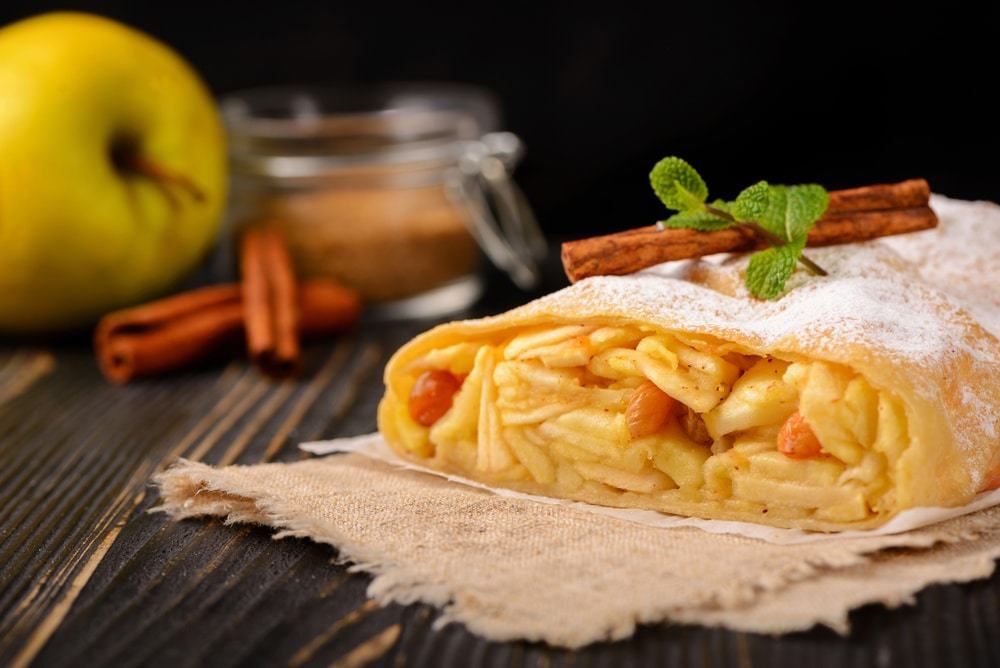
633, 411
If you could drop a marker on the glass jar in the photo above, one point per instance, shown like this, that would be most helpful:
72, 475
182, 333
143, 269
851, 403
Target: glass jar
397, 191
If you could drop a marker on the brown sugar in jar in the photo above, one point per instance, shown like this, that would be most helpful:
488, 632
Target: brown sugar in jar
388, 246
382, 189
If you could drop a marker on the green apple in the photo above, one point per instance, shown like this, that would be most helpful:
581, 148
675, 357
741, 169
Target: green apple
113, 174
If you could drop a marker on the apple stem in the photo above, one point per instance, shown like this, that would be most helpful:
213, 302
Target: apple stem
139, 164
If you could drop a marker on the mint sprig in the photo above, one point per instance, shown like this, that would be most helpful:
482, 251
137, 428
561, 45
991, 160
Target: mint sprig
781, 215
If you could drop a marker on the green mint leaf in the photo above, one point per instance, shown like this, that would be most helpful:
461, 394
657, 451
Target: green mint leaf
806, 203
751, 204
774, 217
678, 185
770, 269
792, 210
703, 221
780, 215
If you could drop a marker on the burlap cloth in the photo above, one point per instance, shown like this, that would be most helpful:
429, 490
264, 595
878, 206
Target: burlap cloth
515, 569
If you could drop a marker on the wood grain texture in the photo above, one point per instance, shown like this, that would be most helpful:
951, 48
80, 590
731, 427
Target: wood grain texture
89, 577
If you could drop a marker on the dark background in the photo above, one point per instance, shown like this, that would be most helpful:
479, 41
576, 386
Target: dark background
838, 94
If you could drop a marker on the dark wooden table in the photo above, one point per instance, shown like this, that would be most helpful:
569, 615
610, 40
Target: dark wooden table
89, 577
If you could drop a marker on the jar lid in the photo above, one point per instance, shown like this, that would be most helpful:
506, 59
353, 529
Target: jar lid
287, 132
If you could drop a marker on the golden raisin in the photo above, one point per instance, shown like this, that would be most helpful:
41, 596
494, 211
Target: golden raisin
797, 440
647, 410
432, 395
695, 427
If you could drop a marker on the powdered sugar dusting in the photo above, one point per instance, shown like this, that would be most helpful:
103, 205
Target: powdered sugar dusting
924, 302
871, 297
960, 256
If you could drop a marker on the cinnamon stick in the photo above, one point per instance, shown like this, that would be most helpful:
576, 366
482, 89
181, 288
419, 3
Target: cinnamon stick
178, 331
270, 310
167, 334
902, 195
856, 214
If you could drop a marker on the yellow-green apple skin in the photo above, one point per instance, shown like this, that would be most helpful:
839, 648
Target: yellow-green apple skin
81, 232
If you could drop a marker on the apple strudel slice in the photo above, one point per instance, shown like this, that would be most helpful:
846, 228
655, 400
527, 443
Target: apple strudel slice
852, 397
